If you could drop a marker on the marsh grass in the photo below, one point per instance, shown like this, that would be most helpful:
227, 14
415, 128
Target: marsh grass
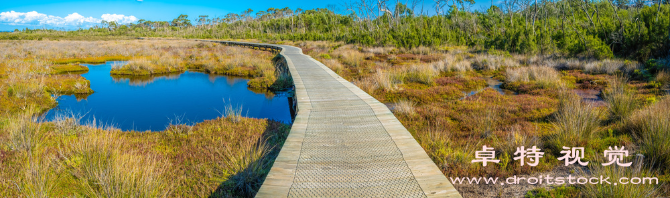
23, 132
651, 128
216, 158
604, 67
405, 106
233, 112
422, 73
179, 126
574, 122
349, 56
333, 64
663, 77
384, 80
68, 123
615, 172
487, 122
103, 170
546, 77
621, 100
39, 179
517, 138
449, 66
250, 166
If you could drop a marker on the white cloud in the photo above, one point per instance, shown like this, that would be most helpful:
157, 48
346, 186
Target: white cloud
119, 18
71, 20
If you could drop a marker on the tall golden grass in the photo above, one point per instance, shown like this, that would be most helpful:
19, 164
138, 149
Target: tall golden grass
575, 122
621, 100
219, 157
543, 76
651, 128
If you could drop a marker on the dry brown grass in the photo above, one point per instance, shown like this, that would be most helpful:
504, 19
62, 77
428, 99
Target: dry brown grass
420, 73
546, 77
333, 65
384, 81
349, 56
451, 65
604, 67
405, 107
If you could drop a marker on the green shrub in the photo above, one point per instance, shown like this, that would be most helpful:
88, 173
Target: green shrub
325, 56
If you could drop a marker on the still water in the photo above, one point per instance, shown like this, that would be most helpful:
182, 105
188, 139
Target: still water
152, 103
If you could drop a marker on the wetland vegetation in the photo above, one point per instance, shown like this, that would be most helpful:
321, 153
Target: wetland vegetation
590, 74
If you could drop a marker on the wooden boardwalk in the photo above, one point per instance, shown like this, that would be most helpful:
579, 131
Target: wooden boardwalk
345, 143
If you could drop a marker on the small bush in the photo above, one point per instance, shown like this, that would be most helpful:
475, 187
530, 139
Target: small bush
325, 56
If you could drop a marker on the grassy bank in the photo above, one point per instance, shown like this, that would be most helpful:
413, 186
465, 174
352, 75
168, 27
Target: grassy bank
222, 157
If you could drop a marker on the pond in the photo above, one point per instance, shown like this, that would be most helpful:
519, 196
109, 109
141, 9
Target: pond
152, 103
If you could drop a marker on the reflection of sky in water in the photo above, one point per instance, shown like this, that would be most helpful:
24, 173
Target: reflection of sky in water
150, 103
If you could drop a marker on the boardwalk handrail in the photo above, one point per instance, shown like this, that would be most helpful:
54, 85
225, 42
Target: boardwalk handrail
298, 172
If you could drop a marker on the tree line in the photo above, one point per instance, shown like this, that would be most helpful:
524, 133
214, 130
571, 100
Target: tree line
594, 28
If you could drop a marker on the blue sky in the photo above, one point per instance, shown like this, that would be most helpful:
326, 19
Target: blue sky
71, 14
